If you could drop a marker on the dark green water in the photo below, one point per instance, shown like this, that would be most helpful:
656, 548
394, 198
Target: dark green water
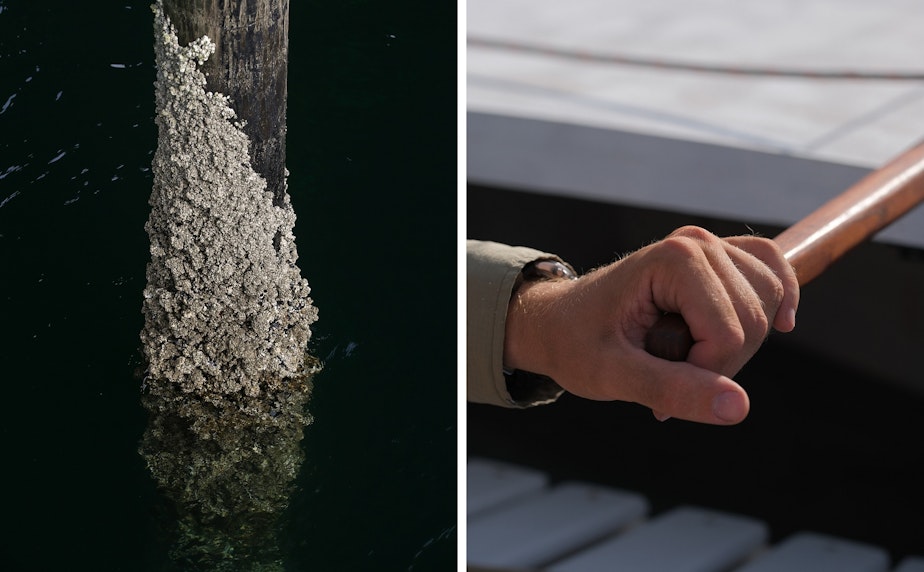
372, 156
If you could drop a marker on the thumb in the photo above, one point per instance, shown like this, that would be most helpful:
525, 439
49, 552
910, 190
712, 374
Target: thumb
685, 391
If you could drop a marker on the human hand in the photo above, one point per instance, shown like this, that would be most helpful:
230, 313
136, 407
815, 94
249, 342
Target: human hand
588, 334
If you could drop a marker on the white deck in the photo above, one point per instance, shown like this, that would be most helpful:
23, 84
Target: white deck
555, 108
580, 527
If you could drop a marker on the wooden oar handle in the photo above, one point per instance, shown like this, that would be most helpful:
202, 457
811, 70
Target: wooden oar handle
816, 241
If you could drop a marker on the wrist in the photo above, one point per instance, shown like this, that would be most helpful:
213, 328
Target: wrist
531, 316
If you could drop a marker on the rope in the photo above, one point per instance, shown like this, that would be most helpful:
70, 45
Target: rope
689, 66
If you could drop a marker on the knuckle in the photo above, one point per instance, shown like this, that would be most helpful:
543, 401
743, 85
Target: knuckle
778, 293
695, 233
688, 242
760, 325
680, 247
754, 327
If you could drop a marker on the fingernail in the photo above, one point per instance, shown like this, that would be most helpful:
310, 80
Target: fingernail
730, 406
792, 317
660, 416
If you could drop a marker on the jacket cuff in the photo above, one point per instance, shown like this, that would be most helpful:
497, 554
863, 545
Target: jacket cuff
492, 272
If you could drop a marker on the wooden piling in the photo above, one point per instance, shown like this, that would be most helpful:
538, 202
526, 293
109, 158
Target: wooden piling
250, 66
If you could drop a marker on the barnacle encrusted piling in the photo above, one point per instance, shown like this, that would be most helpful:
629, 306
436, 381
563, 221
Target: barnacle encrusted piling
227, 319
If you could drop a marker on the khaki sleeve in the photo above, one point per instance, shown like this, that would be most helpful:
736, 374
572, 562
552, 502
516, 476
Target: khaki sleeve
492, 272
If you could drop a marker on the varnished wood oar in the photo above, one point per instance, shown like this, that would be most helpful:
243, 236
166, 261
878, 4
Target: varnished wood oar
815, 242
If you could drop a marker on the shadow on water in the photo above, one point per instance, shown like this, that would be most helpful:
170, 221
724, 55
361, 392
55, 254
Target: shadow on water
372, 160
